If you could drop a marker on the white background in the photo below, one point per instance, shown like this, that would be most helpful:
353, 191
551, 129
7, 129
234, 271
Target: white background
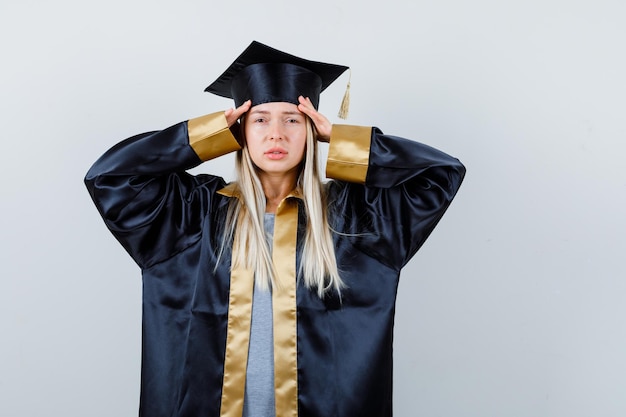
514, 307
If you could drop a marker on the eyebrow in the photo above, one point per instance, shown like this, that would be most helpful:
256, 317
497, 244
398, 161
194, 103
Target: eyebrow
288, 112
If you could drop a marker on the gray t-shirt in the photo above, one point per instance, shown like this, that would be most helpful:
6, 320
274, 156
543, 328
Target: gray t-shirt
259, 394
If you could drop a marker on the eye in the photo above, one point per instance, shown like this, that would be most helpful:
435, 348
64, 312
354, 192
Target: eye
259, 120
293, 120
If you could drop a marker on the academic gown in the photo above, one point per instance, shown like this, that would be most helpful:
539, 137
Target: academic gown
333, 355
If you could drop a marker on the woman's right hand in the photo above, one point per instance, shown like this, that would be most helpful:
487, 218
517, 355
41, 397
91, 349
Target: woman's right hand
232, 115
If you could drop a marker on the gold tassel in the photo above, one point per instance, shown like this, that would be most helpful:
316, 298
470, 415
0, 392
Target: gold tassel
345, 103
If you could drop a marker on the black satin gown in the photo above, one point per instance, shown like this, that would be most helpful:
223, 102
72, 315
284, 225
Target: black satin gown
170, 222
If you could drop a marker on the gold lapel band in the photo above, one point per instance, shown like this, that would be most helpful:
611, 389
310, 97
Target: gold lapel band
284, 309
237, 341
284, 320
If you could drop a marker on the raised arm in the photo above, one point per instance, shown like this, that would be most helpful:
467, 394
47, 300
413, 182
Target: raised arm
147, 200
394, 191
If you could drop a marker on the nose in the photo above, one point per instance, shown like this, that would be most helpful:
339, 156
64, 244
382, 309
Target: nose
276, 131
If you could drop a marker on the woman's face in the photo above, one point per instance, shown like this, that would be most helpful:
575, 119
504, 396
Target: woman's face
276, 138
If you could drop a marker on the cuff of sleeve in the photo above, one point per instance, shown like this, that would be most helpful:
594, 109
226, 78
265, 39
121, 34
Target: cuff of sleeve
210, 137
349, 152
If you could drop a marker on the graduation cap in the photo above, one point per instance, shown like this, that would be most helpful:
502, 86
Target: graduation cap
264, 74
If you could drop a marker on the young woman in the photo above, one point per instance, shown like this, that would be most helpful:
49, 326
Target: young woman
273, 295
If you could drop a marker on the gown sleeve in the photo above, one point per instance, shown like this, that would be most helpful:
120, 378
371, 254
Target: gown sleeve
147, 200
391, 192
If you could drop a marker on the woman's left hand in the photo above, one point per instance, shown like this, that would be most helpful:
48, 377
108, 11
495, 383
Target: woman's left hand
322, 124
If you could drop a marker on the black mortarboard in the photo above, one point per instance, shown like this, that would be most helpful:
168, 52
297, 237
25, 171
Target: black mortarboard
264, 74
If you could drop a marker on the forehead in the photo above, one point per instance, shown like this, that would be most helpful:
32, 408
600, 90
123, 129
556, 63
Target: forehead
276, 107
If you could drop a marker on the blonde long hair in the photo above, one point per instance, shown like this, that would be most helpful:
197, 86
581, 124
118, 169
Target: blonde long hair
245, 223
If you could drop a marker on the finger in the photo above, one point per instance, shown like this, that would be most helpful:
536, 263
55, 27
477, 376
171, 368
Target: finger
243, 108
306, 102
322, 124
306, 107
232, 115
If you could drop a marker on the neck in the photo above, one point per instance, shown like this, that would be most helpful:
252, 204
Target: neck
276, 188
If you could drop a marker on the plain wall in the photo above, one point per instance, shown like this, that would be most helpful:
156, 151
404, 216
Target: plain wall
514, 306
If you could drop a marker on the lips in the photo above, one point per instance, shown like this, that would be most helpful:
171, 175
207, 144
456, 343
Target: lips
276, 153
